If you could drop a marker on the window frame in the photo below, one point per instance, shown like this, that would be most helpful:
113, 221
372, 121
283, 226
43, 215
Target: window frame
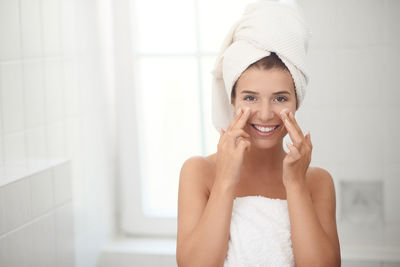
131, 220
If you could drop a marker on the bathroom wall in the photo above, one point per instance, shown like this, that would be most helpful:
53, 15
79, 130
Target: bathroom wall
352, 108
36, 219
56, 105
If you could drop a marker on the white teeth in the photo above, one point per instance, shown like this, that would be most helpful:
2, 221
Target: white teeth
264, 129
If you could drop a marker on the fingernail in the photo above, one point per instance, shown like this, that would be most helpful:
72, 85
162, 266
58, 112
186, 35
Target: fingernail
247, 110
238, 111
283, 110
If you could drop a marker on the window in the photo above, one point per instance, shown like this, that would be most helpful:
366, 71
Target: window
174, 48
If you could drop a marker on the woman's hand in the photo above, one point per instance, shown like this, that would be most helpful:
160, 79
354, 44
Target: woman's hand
296, 162
231, 146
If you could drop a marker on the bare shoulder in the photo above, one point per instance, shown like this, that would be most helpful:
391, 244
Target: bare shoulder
319, 182
198, 170
195, 162
207, 161
193, 196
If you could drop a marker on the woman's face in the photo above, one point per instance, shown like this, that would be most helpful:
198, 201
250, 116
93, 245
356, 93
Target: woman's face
266, 93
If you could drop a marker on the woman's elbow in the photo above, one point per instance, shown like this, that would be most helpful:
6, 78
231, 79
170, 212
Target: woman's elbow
332, 261
325, 261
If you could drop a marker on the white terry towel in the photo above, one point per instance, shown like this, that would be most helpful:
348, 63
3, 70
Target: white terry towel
266, 26
260, 233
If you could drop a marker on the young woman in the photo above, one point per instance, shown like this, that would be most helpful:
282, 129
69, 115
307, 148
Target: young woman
251, 203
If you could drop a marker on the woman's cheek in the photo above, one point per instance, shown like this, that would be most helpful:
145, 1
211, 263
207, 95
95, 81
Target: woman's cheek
243, 106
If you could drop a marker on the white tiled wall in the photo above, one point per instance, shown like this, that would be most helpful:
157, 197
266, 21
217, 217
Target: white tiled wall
353, 60
37, 226
32, 85
54, 106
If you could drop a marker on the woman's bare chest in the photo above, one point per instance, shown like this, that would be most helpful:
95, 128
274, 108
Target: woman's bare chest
271, 187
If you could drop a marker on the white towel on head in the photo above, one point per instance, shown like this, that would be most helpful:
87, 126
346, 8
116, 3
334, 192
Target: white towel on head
265, 27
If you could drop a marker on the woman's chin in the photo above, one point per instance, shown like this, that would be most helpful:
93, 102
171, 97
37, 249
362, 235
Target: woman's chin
264, 144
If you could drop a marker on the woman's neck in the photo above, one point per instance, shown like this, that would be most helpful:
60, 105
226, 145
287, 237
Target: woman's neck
264, 160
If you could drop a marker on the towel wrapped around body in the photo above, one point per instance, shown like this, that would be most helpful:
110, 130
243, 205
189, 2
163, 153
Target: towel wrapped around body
260, 233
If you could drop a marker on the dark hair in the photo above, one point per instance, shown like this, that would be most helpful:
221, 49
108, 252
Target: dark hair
266, 63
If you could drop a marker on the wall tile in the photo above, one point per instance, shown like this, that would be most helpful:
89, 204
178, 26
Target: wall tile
69, 26
65, 236
321, 90
14, 151
360, 263
390, 128
390, 264
34, 93
31, 28
44, 242
389, 88
356, 140
36, 145
358, 82
12, 97
391, 193
322, 18
4, 255
10, 42
72, 92
55, 138
18, 208
392, 235
360, 235
42, 192
310, 120
20, 247
51, 27
1, 110
1, 157
391, 29
62, 183
53, 90
2, 214
355, 25
73, 137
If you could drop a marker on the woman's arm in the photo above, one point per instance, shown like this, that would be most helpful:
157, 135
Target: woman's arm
313, 221
203, 222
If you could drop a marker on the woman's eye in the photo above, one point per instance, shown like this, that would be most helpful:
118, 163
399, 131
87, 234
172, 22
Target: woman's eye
249, 97
281, 97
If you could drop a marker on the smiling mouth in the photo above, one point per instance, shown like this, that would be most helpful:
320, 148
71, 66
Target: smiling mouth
264, 129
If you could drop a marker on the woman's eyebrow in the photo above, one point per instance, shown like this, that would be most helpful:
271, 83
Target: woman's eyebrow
249, 92
281, 92
256, 93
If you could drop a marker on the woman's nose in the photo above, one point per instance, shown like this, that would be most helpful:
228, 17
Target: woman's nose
265, 113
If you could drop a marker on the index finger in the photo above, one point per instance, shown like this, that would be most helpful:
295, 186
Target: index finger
237, 116
243, 119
